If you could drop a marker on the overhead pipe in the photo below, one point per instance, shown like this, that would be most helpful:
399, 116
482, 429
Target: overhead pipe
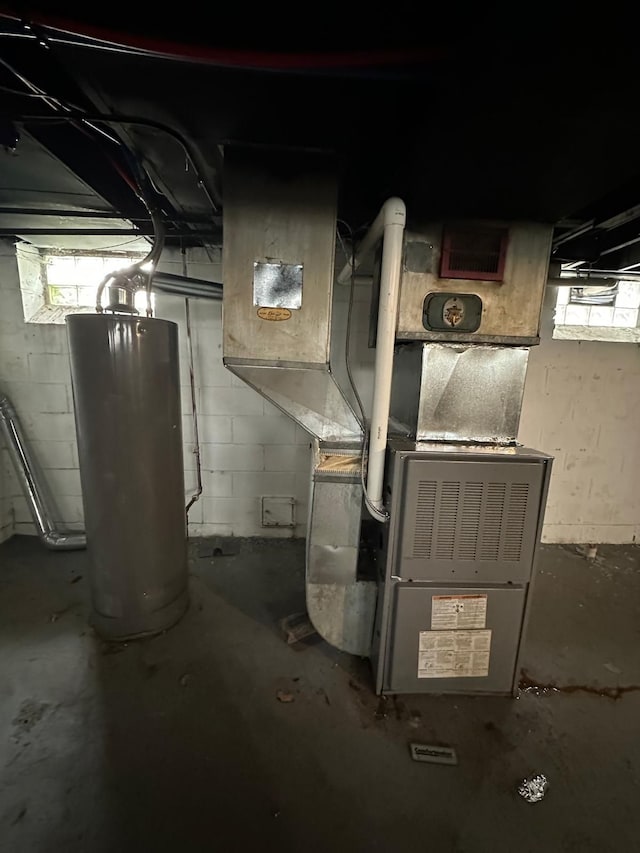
389, 226
187, 286
33, 488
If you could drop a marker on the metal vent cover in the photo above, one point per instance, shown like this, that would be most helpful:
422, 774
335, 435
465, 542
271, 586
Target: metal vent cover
465, 520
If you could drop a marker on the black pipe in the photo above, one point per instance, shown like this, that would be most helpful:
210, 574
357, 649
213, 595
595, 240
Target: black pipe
92, 214
104, 232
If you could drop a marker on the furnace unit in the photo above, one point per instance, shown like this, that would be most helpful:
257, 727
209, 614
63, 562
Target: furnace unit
438, 598
465, 502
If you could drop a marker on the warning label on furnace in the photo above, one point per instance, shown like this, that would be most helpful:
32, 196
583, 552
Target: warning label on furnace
454, 654
458, 612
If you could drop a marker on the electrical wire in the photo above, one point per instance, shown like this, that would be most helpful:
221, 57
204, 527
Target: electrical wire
11, 91
119, 119
51, 100
75, 114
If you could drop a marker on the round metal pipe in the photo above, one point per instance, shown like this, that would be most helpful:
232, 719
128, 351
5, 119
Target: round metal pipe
33, 488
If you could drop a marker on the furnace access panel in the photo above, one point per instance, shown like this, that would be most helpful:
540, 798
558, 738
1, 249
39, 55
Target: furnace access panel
458, 561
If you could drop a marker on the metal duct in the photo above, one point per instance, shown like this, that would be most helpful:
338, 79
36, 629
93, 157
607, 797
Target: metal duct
33, 487
458, 392
126, 389
341, 604
278, 255
186, 286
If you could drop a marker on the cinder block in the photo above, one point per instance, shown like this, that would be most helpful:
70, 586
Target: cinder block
13, 365
256, 484
216, 457
263, 430
49, 368
70, 510
38, 397
628, 294
577, 315
218, 484
241, 513
302, 436
601, 315
625, 317
49, 427
45, 338
64, 483
230, 401
214, 429
213, 374
286, 458
55, 454
559, 316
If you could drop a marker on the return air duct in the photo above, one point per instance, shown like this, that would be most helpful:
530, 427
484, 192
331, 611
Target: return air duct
278, 265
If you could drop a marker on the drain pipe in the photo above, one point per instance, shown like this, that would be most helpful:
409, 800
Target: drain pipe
34, 492
388, 225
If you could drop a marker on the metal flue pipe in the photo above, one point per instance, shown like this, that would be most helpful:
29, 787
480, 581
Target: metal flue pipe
33, 488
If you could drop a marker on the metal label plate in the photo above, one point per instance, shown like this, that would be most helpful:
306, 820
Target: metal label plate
433, 754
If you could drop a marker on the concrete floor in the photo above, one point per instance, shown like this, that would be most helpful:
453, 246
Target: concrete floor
179, 743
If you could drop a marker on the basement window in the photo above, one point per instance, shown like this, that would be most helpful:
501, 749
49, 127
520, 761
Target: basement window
593, 312
56, 283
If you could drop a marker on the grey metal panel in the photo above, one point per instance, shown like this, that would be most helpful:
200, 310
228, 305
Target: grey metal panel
511, 310
467, 520
310, 396
458, 392
340, 605
471, 393
126, 389
280, 207
411, 614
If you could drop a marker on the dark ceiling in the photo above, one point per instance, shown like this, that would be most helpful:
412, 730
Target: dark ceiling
461, 128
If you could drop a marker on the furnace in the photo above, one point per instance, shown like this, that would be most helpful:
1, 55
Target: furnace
425, 513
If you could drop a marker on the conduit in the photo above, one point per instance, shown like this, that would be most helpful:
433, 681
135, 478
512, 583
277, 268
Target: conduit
33, 488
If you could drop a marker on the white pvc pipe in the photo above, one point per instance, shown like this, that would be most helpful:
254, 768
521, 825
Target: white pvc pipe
394, 217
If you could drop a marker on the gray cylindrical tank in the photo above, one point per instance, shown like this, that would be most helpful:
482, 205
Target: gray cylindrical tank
126, 390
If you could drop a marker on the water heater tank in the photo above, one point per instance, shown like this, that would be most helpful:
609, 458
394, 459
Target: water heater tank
126, 390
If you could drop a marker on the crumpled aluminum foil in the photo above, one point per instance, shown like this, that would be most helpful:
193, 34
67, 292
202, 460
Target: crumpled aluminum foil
534, 788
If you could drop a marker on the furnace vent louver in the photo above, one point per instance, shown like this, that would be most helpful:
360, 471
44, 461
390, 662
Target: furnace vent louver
474, 253
478, 525
469, 521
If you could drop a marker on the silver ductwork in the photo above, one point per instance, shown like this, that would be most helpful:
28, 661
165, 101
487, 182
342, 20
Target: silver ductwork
278, 262
33, 485
458, 392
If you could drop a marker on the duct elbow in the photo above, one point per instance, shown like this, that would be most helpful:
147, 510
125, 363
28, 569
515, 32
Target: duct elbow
64, 540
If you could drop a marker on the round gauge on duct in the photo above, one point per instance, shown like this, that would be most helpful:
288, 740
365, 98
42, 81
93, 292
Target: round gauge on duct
452, 312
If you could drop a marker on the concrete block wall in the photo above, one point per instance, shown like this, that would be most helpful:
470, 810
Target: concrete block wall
249, 449
582, 405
